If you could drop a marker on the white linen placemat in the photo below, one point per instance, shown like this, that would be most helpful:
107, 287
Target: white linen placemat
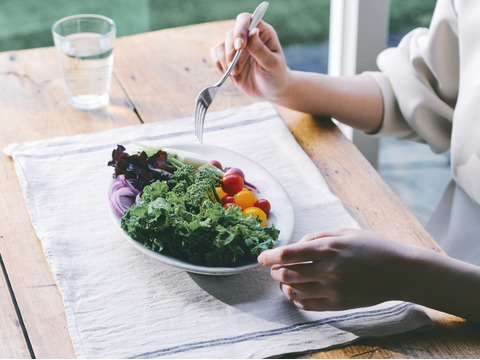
121, 303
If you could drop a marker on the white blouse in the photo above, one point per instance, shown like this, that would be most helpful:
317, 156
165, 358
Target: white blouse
430, 86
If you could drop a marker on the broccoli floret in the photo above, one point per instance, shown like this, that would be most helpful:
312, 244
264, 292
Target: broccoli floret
195, 186
210, 174
178, 187
202, 189
185, 173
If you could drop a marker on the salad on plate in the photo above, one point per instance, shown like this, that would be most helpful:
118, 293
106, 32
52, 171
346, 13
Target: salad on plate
186, 207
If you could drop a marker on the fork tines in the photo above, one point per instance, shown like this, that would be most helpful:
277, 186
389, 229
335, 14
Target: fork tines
200, 111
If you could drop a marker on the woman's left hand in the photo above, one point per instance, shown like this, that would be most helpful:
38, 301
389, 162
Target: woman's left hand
340, 269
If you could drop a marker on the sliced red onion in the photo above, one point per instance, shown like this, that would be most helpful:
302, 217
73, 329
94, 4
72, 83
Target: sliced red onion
121, 200
128, 184
114, 186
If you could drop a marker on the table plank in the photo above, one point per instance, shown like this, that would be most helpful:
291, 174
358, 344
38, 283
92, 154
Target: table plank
12, 341
34, 107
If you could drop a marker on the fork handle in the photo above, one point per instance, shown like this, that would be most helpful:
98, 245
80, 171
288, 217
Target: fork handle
256, 17
230, 68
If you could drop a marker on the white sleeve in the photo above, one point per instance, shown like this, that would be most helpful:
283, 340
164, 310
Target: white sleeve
419, 81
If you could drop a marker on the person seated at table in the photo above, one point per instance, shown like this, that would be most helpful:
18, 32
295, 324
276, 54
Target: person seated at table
427, 89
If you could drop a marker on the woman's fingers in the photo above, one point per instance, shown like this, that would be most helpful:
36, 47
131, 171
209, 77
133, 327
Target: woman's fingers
296, 274
229, 50
311, 247
320, 304
217, 53
223, 53
261, 71
240, 31
288, 254
303, 291
311, 296
264, 46
302, 251
325, 234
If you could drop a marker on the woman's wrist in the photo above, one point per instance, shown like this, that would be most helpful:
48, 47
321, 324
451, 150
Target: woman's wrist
440, 282
355, 100
300, 91
285, 89
398, 261
410, 264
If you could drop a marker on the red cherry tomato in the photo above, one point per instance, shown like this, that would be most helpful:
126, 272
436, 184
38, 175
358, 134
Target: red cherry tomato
227, 199
263, 204
232, 183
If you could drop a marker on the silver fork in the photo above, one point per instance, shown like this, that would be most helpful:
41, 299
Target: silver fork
206, 96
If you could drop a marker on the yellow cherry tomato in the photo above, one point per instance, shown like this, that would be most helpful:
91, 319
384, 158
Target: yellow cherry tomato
257, 212
220, 192
244, 198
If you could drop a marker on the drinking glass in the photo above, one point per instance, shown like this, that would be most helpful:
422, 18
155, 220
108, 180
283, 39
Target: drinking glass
85, 47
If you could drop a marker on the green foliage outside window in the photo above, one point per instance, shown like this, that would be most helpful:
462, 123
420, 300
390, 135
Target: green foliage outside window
27, 23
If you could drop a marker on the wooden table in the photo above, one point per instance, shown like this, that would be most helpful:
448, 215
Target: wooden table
157, 77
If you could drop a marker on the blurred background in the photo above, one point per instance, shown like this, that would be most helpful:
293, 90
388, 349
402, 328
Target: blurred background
27, 23
416, 174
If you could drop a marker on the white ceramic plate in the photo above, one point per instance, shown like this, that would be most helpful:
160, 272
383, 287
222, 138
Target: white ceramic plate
281, 213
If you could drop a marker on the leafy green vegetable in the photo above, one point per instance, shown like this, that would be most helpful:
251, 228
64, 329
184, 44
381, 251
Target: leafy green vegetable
141, 169
180, 218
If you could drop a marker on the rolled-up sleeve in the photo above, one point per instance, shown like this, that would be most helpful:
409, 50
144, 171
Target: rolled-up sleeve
419, 81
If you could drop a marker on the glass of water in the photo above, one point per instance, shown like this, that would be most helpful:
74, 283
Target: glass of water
85, 47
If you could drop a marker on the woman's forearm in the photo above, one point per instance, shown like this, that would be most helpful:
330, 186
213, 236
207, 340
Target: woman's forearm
355, 100
443, 283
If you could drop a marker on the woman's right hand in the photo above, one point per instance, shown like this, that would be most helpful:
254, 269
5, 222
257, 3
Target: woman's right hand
261, 71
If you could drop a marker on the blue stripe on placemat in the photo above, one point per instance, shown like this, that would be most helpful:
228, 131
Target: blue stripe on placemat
396, 309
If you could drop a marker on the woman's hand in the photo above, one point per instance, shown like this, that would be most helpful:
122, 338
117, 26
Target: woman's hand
261, 70
340, 269
262, 73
